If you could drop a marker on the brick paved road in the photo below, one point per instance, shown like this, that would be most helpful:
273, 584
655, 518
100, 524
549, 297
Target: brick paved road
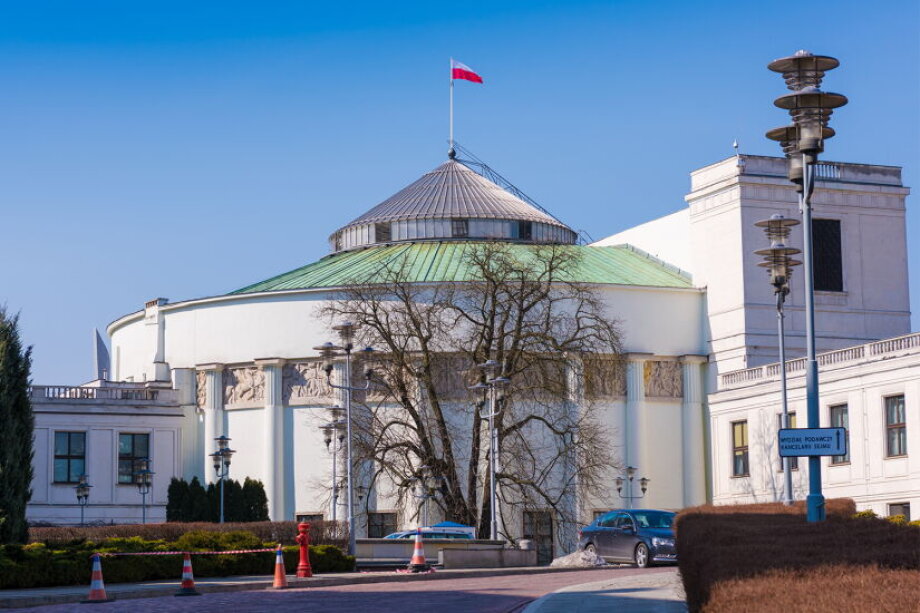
476, 595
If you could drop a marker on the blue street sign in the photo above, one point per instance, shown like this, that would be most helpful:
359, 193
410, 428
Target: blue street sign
794, 442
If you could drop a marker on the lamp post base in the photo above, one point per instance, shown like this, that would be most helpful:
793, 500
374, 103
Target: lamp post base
816, 509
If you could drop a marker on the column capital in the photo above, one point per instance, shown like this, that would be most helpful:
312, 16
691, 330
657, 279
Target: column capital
267, 362
637, 356
212, 366
693, 358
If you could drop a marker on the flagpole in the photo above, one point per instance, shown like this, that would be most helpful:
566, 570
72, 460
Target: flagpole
450, 152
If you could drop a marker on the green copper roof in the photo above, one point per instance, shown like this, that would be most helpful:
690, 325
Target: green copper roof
443, 261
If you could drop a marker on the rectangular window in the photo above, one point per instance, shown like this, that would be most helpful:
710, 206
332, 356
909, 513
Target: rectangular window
793, 462
131, 448
383, 232
69, 456
380, 524
896, 426
309, 517
740, 449
899, 508
840, 418
828, 257
525, 230
459, 228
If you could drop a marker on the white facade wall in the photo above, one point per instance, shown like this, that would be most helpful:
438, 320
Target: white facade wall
103, 419
860, 377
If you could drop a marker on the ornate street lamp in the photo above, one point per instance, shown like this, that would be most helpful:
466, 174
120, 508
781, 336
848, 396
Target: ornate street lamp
334, 435
330, 351
143, 479
82, 490
627, 479
492, 391
810, 109
221, 459
779, 265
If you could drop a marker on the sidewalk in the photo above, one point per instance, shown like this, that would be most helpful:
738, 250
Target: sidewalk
654, 592
148, 589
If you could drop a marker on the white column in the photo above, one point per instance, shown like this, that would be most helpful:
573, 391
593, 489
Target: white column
213, 414
634, 416
693, 449
274, 473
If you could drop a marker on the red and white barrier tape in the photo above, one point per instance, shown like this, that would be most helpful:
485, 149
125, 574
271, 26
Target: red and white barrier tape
194, 553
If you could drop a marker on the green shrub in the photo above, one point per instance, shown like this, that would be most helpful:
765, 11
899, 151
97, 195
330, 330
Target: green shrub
867, 514
43, 565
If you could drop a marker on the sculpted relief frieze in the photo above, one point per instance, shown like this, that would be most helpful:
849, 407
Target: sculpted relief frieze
663, 379
604, 378
243, 385
304, 383
201, 390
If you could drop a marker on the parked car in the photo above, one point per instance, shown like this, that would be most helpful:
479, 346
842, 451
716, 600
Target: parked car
641, 536
444, 530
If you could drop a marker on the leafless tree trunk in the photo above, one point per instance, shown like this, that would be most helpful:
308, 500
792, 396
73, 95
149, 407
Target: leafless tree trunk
529, 316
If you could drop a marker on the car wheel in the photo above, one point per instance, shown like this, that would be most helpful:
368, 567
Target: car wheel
641, 557
590, 548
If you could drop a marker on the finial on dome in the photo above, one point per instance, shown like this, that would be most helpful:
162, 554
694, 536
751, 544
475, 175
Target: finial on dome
451, 153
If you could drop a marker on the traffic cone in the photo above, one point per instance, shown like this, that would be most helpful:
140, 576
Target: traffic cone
418, 564
188, 580
96, 585
280, 576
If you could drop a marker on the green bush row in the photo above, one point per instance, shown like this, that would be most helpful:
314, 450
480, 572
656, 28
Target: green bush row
899, 520
38, 565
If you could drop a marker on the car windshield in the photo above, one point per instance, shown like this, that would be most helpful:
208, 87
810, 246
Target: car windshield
654, 519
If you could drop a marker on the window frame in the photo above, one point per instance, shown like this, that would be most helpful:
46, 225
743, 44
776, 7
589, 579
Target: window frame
819, 265
899, 504
69, 457
373, 515
793, 423
744, 449
133, 458
894, 426
845, 458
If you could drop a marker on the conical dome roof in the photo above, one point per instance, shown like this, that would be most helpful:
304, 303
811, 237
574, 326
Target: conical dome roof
452, 201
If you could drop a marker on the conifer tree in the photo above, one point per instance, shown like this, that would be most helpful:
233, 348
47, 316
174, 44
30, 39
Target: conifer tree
177, 500
255, 501
16, 425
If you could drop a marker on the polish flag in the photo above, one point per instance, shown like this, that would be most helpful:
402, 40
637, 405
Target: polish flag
462, 71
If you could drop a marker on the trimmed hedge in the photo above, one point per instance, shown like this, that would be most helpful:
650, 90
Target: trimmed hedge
45, 565
724, 551
284, 532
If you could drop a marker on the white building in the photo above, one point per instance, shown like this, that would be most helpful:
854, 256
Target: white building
697, 313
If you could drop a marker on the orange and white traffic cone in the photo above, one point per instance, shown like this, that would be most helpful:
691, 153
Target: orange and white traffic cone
418, 564
280, 576
96, 585
188, 579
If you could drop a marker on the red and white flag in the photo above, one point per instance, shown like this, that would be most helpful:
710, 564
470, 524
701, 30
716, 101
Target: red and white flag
459, 70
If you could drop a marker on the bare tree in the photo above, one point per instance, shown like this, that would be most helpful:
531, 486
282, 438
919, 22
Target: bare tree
523, 309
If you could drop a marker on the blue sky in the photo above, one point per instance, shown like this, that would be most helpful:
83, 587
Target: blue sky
188, 149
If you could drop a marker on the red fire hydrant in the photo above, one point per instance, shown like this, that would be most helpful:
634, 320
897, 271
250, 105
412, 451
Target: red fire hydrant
303, 539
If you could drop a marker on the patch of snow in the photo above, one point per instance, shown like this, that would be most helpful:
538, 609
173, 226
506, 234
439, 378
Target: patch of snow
580, 559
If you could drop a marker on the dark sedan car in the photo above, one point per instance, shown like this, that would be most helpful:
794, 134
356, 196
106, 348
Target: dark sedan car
640, 536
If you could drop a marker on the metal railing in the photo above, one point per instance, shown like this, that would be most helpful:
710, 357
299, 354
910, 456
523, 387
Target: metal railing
828, 358
827, 172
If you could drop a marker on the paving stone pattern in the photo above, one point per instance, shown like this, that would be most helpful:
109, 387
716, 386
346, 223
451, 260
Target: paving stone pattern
474, 595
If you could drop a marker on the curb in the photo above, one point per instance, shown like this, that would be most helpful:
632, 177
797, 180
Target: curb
169, 588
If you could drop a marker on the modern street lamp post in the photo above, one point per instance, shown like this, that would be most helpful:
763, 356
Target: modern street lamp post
329, 351
779, 265
221, 459
143, 479
493, 395
628, 479
82, 490
810, 109
334, 435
